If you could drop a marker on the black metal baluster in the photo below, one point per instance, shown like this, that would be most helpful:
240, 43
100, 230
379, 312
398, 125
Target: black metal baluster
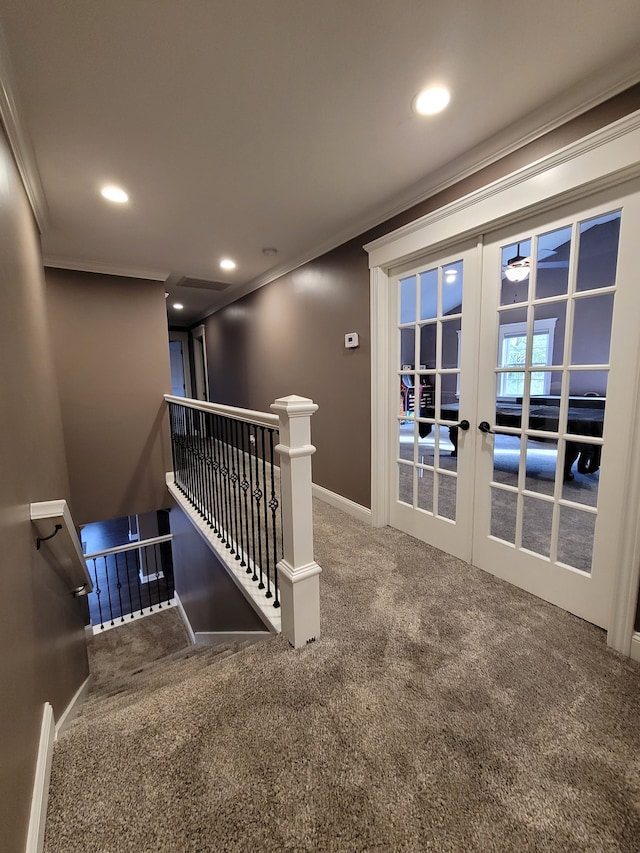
244, 485
119, 587
98, 591
157, 572
273, 506
253, 498
235, 477
106, 574
259, 494
167, 568
126, 567
202, 457
209, 470
266, 516
217, 469
226, 473
198, 463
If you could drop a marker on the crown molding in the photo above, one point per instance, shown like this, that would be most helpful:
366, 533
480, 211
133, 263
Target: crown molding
18, 138
53, 262
576, 101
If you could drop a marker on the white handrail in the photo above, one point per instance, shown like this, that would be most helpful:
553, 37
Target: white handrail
247, 415
58, 538
131, 546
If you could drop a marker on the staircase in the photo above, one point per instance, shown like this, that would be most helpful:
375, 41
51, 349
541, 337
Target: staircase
138, 673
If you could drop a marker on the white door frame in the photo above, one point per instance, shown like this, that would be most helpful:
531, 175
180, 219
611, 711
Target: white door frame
201, 371
607, 158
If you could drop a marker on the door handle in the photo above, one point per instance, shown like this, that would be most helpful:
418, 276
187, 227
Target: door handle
485, 426
463, 425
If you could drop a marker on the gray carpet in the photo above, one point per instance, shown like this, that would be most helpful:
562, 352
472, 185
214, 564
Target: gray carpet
441, 710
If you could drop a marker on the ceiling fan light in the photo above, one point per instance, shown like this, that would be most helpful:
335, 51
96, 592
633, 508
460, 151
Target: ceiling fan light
517, 268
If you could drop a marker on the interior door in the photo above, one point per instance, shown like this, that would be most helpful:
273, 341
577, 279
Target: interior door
513, 389
433, 312
555, 400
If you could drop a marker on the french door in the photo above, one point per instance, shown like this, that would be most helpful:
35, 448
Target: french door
511, 379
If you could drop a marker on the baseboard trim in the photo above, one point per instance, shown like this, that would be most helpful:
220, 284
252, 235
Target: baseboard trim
215, 638
635, 647
185, 618
69, 713
345, 504
38, 814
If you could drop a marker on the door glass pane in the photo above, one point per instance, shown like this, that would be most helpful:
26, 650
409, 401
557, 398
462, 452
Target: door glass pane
515, 272
447, 448
575, 538
405, 441
544, 408
405, 483
448, 397
592, 320
591, 384
541, 463
408, 300
506, 459
503, 514
407, 349
451, 289
447, 496
451, 342
581, 473
537, 516
552, 263
598, 253
428, 335
429, 294
425, 489
548, 335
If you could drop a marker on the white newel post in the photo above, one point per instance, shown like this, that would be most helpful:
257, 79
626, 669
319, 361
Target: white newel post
298, 572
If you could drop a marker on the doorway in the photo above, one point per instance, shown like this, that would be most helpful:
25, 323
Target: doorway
503, 356
504, 407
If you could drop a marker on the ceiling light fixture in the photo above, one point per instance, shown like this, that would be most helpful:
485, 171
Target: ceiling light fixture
269, 251
517, 268
178, 305
432, 100
115, 194
227, 264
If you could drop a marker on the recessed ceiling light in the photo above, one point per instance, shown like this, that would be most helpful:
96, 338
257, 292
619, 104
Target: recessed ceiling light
432, 100
227, 264
116, 194
178, 305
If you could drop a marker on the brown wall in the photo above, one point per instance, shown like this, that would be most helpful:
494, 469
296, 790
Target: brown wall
210, 598
41, 624
288, 336
112, 360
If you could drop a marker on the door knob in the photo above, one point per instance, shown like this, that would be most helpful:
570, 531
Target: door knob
463, 425
485, 426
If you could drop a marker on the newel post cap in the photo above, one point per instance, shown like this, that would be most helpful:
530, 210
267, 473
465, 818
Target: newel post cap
294, 406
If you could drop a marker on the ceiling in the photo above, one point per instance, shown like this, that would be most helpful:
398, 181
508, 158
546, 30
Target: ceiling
236, 125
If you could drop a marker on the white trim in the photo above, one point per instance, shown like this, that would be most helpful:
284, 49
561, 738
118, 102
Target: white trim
18, 138
39, 799
65, 545
70, 712
608, 157
362, 513
635, 647
185, 618
58, 263
183, 338
136, 545
604, 159
217, 638
200, 371
262, 605
380, 343
248, 415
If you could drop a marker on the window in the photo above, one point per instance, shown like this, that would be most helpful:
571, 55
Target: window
512, 352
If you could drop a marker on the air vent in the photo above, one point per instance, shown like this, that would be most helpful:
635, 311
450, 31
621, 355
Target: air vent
202, 284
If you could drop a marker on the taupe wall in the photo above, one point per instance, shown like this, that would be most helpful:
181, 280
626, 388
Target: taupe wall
210, 598
288, 336
112, 360
41, 625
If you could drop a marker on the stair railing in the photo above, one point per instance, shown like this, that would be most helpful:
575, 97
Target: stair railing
130, 581
260, 513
